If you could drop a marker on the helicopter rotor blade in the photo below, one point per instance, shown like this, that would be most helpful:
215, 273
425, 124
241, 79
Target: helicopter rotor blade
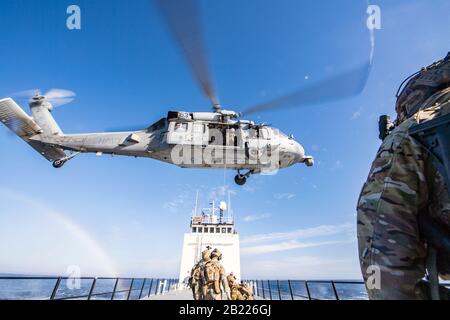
339, 87
59, 97
26, 94
183, 19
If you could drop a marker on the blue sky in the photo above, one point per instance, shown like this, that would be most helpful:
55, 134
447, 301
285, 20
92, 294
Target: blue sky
127, 216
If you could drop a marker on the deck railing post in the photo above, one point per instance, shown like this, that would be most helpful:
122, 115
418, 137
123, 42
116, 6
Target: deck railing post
142, 289
156, 287
279, 292
290, 289
334, 290
270, 289
307, 290
263, 291
115, 288
55, 289
131, 288
150, 288
92, 289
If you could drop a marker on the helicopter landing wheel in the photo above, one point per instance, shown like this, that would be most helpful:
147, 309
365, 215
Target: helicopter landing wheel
240, 179
58, 164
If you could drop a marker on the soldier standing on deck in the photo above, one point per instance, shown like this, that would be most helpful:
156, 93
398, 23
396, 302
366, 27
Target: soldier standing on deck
215, 277
197, 280
404, 185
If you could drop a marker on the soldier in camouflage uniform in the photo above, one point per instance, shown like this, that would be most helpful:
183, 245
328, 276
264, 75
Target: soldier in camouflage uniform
197, 280
215, 277
239, 291
234, 287
402, 183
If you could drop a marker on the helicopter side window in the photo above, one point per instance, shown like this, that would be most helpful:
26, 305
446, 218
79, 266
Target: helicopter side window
181, 127
199, 128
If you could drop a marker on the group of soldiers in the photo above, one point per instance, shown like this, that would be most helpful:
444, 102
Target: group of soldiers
209, 280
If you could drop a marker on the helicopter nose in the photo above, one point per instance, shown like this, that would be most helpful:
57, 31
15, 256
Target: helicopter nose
299, 152
293, 153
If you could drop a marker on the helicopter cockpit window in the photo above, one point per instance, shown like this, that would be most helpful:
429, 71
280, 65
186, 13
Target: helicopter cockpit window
252, 134
265, 133
158, 125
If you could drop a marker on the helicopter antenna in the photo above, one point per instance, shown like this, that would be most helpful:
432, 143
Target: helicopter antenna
183, 20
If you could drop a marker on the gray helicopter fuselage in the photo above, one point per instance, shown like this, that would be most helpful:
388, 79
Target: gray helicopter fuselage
193, 140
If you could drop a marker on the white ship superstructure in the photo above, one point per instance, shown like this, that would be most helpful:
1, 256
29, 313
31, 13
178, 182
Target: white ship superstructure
212, 227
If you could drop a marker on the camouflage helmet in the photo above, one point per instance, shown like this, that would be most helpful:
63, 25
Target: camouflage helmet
421, 86
216, 253
206, 254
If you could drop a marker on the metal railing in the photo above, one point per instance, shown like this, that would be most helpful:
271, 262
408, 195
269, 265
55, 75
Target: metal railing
85, 288
310, 290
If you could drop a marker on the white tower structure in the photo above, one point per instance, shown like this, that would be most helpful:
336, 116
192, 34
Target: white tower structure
212, 227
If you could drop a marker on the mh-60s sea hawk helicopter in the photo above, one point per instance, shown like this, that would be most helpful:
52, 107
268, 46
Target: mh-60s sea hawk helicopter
232, 143
217, 139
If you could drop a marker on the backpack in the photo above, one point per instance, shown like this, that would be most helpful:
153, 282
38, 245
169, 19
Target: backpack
212, 272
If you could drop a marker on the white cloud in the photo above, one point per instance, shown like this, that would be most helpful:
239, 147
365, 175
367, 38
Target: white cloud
286, 196
285, 246
337, 165
255, 217
221, 192
319, 231
356, 115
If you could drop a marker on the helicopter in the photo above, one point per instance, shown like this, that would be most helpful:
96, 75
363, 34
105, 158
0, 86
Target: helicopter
217, 139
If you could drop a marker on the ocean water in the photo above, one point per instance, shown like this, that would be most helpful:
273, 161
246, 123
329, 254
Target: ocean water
78, 289
277, 290
73, 289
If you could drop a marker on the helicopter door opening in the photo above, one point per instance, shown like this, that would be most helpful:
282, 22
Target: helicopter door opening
217, 137
258, 143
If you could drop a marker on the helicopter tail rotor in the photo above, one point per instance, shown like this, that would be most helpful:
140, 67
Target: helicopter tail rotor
57, 97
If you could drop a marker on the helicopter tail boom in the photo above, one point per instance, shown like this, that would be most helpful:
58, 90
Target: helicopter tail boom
24, 126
